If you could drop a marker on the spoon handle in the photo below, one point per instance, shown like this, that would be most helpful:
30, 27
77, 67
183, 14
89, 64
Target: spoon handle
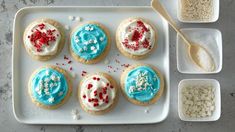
157, 6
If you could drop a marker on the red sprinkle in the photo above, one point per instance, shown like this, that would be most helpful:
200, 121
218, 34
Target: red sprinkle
84, 96
94, 78
69, 62
89, 100
40, 38
107, 84
89, 86
71, 68
65, 57
98, 79
111, 86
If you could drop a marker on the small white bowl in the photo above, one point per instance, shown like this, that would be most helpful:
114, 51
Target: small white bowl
211, 39
191, 82
214, 18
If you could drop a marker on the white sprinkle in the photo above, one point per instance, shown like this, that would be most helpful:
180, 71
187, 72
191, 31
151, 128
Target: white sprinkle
47, 72
47, 93
90, 41
86, 42
46, 85
80, 50
74, 111
47, 80
76, 117
46, 89
51, 85
75, 114
60, 93
93, 48
91, 28
139, 89
131, 89
146, 111
37, 89
76, 40
53, 77
66, 27
95, 41
51, 100
55, 84
78, 18
71, 18
101, 39
39, 92
106, 61
85, 48
87, 28
58, 78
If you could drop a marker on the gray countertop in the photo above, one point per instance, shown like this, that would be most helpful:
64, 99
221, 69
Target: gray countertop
226, 24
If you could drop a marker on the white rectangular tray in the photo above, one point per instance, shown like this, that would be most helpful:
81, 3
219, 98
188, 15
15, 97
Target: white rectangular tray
124, 113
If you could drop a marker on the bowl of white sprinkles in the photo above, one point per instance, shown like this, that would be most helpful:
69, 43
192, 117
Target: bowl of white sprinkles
199, 100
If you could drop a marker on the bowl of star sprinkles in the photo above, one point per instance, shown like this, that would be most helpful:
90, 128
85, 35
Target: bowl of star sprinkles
199, 100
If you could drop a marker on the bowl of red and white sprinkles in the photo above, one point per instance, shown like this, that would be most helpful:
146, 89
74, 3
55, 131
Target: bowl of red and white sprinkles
136, 38
98, 93
44, 39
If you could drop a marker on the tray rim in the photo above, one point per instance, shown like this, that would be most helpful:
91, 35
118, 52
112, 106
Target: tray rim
13, 59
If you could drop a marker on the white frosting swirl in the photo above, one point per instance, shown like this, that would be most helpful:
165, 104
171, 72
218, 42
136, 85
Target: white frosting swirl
92, 93
136, 36
45, 49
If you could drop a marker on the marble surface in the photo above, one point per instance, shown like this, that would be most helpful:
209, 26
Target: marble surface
226, 24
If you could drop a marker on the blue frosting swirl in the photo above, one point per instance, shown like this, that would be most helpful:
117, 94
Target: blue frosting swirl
49, 86
142, 84
89, 41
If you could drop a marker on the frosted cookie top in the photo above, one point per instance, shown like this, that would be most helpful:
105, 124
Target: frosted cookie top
48, 86
42, 38
136, 36
89, 41
142, 83
97, 93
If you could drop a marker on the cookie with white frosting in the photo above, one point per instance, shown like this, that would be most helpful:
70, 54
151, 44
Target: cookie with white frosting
98, 93
142, 84
89, 42
50, 87
44, 39
136, 38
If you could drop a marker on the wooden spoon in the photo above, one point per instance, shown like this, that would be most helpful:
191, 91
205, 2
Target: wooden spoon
198, 54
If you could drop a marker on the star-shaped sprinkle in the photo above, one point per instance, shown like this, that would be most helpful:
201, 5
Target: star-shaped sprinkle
51, 100
95, 41
75, 114
87, 28
93, 48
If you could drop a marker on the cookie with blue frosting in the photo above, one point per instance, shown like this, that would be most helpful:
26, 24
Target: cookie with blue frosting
89, 42
142, 84
50, 87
